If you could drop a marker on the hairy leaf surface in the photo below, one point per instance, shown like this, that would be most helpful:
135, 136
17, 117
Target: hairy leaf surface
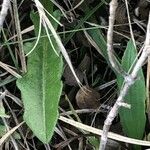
41, 86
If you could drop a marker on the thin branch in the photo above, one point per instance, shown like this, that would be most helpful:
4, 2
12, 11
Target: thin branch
129, 81
4, 11
110, 51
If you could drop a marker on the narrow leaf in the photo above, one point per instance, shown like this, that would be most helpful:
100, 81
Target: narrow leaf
133, 120
99, 42
98, 39
48, 5
41, 86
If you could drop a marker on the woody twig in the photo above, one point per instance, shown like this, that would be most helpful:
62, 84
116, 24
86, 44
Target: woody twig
4, 10
129, 79
116, 66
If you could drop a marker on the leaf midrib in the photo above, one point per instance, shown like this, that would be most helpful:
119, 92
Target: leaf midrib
44, 45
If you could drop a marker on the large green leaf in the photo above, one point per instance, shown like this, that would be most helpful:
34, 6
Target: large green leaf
41, 86
133, 120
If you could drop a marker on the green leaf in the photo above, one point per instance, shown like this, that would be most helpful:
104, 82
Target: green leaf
48, 5
94, 142
97, 37
133, 120
41, 86
101, 46
2, 110
3, 130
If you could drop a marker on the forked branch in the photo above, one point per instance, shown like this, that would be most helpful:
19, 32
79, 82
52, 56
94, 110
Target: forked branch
129, 80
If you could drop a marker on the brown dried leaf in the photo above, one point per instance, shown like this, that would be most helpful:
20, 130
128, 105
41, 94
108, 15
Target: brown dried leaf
88, 98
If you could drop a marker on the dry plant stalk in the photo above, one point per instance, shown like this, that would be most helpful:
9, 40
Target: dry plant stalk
8, 69
96, 131
4, 10
9, 133
129, 79
3, 14
19, 36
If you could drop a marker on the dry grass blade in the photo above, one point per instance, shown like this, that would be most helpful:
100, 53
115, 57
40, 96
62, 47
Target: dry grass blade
77, 5
8, 69
129, 20
2, 140
31, 28
99, 132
